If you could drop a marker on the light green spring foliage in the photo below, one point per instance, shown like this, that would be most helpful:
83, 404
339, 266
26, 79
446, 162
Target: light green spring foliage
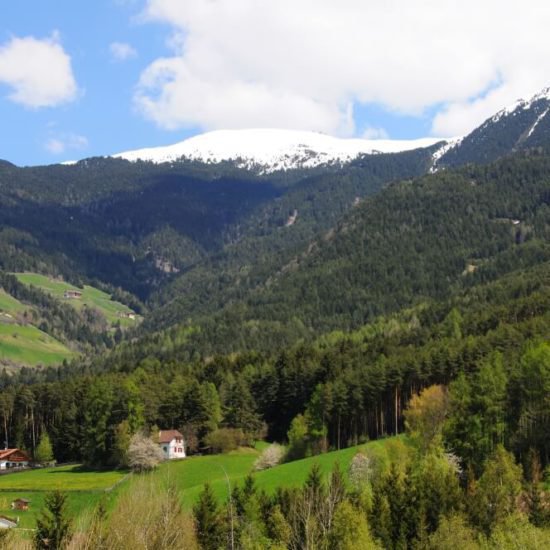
454, 533
425, 416
297, 438
516, 533
44, 451
350, 530
496, 492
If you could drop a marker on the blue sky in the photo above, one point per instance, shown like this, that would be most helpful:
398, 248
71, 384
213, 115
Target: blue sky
349, 68
102, 112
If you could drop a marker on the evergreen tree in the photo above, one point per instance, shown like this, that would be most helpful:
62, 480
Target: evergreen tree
52, 527
211, 527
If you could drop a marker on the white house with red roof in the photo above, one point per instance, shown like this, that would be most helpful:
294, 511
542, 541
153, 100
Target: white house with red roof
13, 458
172, 444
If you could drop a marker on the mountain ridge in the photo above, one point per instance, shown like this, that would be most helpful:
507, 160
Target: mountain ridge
268, 150
524, 124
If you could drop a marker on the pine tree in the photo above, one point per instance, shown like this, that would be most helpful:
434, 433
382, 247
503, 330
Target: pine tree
211, 530
52, 527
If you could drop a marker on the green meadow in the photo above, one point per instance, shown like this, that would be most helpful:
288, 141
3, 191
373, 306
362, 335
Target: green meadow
224, 471
91, 296
65, 478
9, 304
84, 490
30, 346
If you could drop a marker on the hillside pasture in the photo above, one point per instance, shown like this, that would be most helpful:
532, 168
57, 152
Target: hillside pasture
190, 475
91, 297
30, 346
84, 488
9, 304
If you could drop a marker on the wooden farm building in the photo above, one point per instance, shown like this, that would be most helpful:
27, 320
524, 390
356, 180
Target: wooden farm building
20, 504
13, 458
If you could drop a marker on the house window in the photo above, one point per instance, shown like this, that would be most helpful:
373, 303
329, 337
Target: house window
165, 448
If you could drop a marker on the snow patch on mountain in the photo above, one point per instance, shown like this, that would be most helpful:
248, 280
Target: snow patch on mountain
271, 150
520, 104
539, 118
445, 148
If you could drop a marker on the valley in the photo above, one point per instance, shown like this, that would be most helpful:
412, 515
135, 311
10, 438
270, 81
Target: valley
373, 326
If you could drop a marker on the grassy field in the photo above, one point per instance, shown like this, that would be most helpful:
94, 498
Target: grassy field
79, 503
66, 478
91, 297
190, 474
9, 304
84, 489
30, 346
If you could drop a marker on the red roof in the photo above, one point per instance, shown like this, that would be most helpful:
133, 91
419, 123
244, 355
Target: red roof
165, 436
15, 455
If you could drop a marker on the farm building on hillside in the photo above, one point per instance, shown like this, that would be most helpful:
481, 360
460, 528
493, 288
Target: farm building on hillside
13, 458
72, 294
127, 315
20, 504
171, 444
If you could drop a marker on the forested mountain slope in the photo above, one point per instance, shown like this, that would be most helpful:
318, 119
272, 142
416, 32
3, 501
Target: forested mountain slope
137, 225
414, 241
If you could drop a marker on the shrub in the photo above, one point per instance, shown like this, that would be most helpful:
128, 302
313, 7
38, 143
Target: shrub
272, 456
224, 440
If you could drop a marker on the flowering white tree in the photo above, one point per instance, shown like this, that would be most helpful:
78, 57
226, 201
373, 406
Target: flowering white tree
360, 470
270, 457
143, 453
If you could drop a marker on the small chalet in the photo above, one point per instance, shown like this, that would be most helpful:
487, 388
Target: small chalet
72, 294
128, 315
171, 444
13, 458
20, 504
7, 523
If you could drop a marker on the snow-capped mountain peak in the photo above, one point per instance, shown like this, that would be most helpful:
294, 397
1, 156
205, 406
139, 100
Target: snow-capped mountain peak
525, 124
521, 104
269, 150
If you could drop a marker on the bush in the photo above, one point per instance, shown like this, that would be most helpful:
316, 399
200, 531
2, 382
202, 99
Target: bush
224, 440
272, 456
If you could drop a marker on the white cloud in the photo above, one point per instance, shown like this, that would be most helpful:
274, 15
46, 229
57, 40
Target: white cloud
121, 51
303, 63
372, 132
60, 144
38, 71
